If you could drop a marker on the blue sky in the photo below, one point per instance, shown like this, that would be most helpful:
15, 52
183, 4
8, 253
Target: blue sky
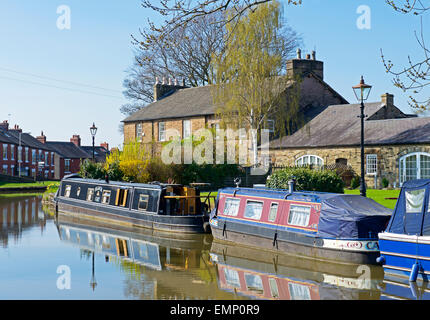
97, 51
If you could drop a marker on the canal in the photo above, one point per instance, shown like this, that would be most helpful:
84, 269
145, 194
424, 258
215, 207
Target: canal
48, 257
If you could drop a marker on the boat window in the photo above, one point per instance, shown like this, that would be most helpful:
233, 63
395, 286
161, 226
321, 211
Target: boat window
273, 212
415, 200
299, 291
90, 194
121, 197
231, 207
273, 288
232, 277
299, 215
78, 192
67, 191
143, 202
106, 196
254, 210
254, 283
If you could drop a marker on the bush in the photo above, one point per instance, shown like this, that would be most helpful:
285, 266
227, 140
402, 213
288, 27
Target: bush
307, 180
355, 182
385, 183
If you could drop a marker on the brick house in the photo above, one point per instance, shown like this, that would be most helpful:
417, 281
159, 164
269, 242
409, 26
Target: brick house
190, 109
397, 145
23, 154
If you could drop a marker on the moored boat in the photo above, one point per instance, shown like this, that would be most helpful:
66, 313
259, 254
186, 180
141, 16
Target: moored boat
326, 226
405, 243
161, 207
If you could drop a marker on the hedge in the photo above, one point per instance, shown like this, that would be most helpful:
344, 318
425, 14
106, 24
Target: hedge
307, 179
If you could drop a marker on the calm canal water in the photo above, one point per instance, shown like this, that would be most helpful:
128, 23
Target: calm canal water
47, 258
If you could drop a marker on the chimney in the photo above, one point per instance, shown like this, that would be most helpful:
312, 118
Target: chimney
162, 89
299, 53
41, 138
76, 139
387, 99
4, 125
105, 145
17, 128
303, 67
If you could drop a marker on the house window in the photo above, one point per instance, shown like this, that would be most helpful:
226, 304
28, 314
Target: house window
33, 156
67, 191
90, 194
299, 215
5, 169
139, 132
46, 158
270, 125
253, 210
143, 202
414, 166
371, 163
231, 207
66, 165
216, 130
12, 170
52, 159
12, 152
19, 154
161, 131
308, 160
186, 125
106, 196
273, 212
26, 154
5, 152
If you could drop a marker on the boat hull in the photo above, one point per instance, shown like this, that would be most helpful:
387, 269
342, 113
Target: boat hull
401, 252
125, 216
294, 243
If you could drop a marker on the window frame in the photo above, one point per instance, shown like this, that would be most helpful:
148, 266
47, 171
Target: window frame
370, 165
139, 131
270, 211
308, 157
106, 199
5, 151
261, 212
299, 206
188, 121
162, 133
141, 201
88, 198
225, 204
402, 166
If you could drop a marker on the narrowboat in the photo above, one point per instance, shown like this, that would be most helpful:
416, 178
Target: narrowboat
405, 243
160, 207
326, 226
260, 274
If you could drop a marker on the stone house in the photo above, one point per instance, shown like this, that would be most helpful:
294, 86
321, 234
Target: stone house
190, 109
397, 145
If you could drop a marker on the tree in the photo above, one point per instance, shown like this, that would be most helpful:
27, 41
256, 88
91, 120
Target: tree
182, 12
184, 53
416, 75
249, 85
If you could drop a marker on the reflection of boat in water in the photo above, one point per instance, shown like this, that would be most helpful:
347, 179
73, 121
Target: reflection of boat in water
170, 266
398, 288
133, 245
264, 275
325, 226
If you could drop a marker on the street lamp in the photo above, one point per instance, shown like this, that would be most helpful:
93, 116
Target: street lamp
362, 92
93, 131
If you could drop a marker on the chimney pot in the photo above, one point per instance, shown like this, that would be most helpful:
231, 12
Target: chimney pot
308, 56
313, 55
299, 53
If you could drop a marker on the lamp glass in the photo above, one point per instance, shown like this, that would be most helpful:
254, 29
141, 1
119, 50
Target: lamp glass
93, 130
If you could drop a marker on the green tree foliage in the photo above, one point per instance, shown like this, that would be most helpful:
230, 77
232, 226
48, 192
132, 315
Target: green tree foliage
307, 179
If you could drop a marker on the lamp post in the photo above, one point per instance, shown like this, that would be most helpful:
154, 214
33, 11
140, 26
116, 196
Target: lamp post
361, 92
93, 131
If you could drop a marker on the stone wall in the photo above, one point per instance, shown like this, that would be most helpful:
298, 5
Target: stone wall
388, 157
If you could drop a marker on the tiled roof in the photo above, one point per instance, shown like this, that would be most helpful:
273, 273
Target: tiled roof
339, 125
28, 140
67, 150
100, 153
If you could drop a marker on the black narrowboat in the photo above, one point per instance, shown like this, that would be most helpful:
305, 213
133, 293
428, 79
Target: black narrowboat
326, 226
160, 207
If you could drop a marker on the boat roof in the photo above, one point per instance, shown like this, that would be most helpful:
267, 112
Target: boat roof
154, 185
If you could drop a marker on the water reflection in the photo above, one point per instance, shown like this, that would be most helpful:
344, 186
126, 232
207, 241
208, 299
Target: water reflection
18, 214
261, 275
159, 266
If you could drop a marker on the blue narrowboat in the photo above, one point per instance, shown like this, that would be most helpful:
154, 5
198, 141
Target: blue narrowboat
326, 226
160, 207
405, 243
